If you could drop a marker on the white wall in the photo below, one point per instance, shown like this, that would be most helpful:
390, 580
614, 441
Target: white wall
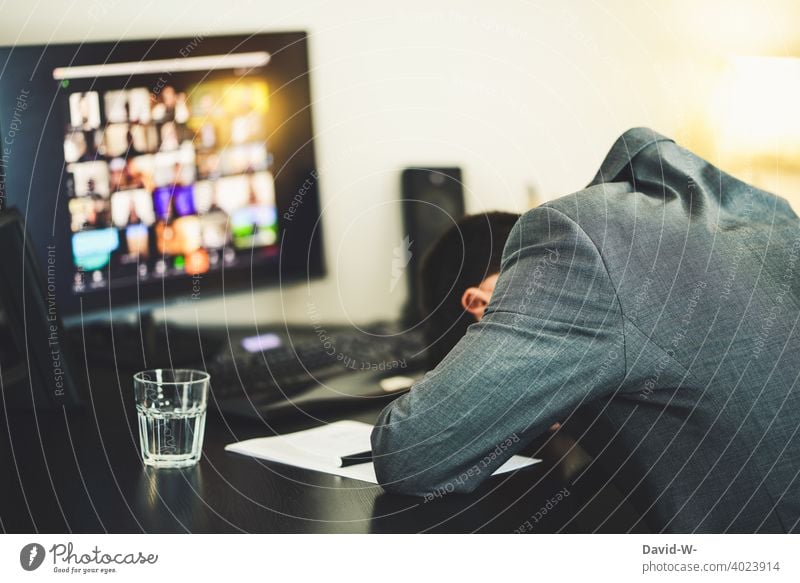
517, 93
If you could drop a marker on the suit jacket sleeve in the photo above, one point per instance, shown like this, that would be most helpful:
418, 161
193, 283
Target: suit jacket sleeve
551, 339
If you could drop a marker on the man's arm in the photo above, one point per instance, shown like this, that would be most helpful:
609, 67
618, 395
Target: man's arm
551, 339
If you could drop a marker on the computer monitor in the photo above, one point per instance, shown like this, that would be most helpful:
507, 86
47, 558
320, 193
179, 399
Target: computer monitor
168, 169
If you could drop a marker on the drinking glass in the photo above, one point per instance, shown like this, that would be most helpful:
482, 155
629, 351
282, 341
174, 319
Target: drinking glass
171, 406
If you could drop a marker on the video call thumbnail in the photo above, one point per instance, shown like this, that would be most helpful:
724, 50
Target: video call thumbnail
171, 180
132, 207
173, 201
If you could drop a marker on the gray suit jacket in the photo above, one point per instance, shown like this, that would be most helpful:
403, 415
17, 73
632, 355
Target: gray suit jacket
660, 304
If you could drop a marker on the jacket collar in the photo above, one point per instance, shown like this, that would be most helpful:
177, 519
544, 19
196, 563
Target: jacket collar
624, 150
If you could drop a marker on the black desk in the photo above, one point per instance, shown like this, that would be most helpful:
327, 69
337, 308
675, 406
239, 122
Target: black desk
72, 471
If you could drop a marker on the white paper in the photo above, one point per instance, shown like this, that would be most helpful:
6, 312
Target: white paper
322, 449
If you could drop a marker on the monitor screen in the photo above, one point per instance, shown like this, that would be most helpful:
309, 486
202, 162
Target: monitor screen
163, 169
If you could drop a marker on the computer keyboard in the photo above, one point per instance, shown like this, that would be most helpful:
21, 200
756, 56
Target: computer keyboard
301, 362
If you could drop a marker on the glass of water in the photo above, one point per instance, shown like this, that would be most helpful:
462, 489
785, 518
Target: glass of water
171, 406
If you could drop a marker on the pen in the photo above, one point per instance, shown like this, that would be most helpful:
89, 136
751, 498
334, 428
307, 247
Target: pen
356, 458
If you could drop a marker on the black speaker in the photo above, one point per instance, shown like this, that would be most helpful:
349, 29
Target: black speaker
433, 200
34, 364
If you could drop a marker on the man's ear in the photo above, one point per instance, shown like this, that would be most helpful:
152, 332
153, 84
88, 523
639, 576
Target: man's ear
474, 300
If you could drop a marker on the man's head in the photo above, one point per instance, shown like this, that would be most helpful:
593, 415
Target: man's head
458, 276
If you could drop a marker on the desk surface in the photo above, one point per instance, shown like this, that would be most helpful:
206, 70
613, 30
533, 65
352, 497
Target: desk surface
80, 471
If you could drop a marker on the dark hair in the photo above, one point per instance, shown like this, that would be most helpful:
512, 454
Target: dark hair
465, 255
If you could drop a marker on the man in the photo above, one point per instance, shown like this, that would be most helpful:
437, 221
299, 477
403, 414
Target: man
661, 303
458, 276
